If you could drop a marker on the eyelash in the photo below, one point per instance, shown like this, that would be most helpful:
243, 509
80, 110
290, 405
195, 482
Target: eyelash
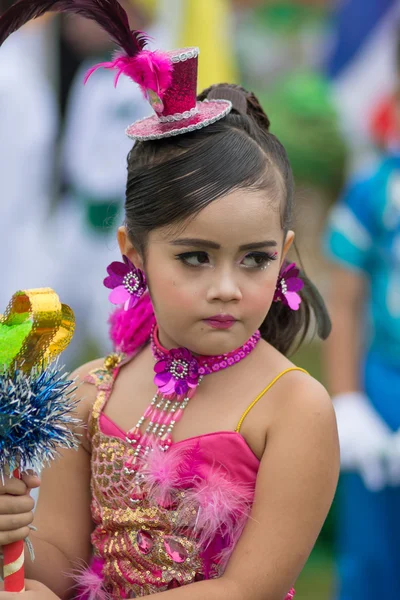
264, 256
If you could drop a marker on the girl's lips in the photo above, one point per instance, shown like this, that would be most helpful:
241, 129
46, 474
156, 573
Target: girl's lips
221, 321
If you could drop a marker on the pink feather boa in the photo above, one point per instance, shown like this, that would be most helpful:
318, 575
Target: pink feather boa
130, 329
151, 70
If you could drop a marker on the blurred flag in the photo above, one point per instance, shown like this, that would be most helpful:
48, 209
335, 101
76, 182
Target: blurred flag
384, 126
362, 60
207, 24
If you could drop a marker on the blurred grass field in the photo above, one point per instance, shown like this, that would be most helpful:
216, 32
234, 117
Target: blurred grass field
317, 581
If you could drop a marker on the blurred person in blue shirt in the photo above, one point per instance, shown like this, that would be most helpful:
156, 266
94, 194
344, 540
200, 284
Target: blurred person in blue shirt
363, 365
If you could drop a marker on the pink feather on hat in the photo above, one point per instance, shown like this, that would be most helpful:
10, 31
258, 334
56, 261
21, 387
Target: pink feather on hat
151, 70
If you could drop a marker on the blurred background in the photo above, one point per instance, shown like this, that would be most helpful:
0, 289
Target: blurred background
325, 72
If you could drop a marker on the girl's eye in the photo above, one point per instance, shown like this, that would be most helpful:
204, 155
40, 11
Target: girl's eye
258, 260
194, 259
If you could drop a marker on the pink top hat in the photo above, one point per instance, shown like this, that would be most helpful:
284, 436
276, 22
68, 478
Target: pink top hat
168, 79
178, 111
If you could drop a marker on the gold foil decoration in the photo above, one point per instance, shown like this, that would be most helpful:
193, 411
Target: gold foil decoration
52, 328
112, 361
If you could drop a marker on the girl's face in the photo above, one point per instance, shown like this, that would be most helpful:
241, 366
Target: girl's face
212, 280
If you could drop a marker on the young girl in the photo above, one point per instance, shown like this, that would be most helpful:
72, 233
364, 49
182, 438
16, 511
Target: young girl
223, 482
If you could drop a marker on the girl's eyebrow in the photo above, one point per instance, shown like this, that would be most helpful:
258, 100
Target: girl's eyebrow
200, 243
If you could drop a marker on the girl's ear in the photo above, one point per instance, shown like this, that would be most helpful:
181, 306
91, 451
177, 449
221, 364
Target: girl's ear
127, 248
287, 244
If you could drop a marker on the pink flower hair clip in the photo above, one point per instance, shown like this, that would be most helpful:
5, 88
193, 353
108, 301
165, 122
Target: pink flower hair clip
288, 285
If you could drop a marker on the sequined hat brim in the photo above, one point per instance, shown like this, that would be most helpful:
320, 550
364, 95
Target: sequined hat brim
151, 128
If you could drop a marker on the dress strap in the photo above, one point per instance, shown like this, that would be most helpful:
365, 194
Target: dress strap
265, 390
103, 378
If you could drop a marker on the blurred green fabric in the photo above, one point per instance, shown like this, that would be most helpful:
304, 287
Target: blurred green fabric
303, 117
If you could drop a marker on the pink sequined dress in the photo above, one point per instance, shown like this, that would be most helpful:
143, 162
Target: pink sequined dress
183, 526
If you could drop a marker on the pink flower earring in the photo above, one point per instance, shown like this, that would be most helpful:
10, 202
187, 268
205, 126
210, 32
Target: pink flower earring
287, 286
127, 283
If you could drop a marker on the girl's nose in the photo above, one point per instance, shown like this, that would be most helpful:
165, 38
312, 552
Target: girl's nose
224, 287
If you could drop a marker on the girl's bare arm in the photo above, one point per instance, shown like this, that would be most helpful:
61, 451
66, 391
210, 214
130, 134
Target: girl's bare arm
295, 487
62, 516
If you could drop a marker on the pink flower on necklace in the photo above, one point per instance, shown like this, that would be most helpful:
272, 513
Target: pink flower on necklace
288, 284
127, 283
177, 372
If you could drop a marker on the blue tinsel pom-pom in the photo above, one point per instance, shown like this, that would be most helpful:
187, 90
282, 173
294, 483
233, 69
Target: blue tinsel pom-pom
36, 417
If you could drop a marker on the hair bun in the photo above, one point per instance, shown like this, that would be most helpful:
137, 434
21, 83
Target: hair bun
257, 112
243, 102
234, 95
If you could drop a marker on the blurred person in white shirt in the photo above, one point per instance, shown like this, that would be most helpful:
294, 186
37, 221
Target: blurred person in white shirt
93, 162
28, 128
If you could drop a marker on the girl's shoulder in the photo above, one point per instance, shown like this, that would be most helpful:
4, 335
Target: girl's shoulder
295, 389
88, 379
97, 373
303, 402
84, 374
287, 402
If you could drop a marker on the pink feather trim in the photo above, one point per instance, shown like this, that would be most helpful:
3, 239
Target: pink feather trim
151, 70
89, 582
212, 504
130, 329
222, 507
166, 472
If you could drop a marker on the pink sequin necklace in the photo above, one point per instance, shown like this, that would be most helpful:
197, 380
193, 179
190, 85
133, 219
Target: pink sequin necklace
178, 374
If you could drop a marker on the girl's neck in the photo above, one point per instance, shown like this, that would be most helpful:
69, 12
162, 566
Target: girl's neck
165, 342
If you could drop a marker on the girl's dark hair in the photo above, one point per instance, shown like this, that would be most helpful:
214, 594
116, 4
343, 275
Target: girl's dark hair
5, 5
174, 178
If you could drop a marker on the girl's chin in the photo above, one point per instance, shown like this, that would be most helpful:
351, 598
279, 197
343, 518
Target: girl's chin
217, 341
208, 340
